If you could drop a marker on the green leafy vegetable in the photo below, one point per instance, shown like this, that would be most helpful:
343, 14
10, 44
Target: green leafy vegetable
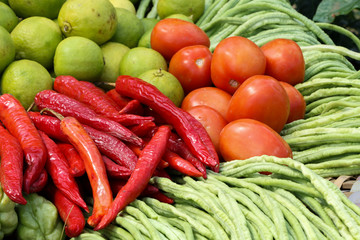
329, 9
8, 216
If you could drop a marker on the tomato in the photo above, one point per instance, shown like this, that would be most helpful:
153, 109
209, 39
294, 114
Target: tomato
212, 121
191, 66
297, 102
169, 35
209, 96
261, 98
284, 61
234, 60
245, 138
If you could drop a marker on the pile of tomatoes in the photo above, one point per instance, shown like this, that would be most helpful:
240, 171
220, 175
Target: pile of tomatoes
243, 94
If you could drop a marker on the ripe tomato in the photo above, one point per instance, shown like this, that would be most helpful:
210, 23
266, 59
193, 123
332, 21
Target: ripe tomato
261, 98
297, 102
245, 138
234, 60
212, 121
284, 61
210, 96
191, 66
169, 35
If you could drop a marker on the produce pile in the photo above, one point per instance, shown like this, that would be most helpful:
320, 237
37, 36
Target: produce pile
187, 126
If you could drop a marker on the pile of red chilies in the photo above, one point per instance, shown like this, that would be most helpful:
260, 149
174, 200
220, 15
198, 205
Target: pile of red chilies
120, 139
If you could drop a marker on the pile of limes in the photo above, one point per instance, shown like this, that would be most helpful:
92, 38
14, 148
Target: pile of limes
91, 40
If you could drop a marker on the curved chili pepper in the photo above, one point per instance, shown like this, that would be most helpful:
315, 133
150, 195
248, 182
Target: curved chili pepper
40, 183
143, 129
57, 167
76, 164
137, 150
133, 119
114, 170
178, 163
120, 101
162, 197
145, 167
149, 95
17, 122
133, 107
11, 168
117, 184
70, 107
94, 165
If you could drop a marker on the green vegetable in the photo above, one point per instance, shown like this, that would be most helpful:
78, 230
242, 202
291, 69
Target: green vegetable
329, 9
8, 216
39, 219
88, 236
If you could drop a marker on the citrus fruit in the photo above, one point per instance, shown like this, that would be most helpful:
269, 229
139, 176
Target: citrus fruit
148, 23
8, 18
5, 1
79, 57
7, 49
112, 54
140, 59
23, 79
93, 19
129, 28
181, 16
166, 83
145, 40
191, 8
36, 38
126, 4
29, 8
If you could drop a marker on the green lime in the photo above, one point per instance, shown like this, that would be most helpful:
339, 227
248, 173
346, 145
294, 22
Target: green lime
5, 1
167, 83
191, 8
112, 53
181, 16
93, 19
126, 4
148, 23
145, 40
129, 28
43, 8
36, 38
7, 49
79, 57
8, 18
140, 59
23, 79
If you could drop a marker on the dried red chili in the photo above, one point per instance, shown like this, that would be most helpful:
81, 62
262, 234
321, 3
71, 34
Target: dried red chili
76, 164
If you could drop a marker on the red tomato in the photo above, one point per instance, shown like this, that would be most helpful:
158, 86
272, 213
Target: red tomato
245, 138
191, 66
170, 35
297, 102
284, 61
210, 96
234, 60
212, 121
261, 98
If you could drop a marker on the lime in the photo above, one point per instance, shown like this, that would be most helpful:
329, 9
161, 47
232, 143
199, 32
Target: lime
148, 23
23, 79
7, 49
167, 83
140, 59
145, 40
43, 8
112, 53
36, 38
8, 18
79, 57
129, 28
93, 19
126, 4
181, 16
5, 1
191, 8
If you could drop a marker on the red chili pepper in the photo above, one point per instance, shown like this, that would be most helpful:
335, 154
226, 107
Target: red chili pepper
115, 170
149, 95
117, 184
161, 173
137, 151
133, 119
76, 164
94, 165
132, 107
57, 167
120, 101
40, 183
178, 163
17, 122
70, 107
69, 212
11, 168
162, 197
145, 167
143, 129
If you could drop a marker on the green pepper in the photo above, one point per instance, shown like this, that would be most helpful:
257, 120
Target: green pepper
8, 216
39, 219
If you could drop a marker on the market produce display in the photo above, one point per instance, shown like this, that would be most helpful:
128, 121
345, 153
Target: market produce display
163, 119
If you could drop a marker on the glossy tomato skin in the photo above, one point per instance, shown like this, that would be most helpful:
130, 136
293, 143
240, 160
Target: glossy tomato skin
284, 61
170, 35
245, 138
210, 96
261, 98
234, 60
297, 103
191, 66
212, 121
